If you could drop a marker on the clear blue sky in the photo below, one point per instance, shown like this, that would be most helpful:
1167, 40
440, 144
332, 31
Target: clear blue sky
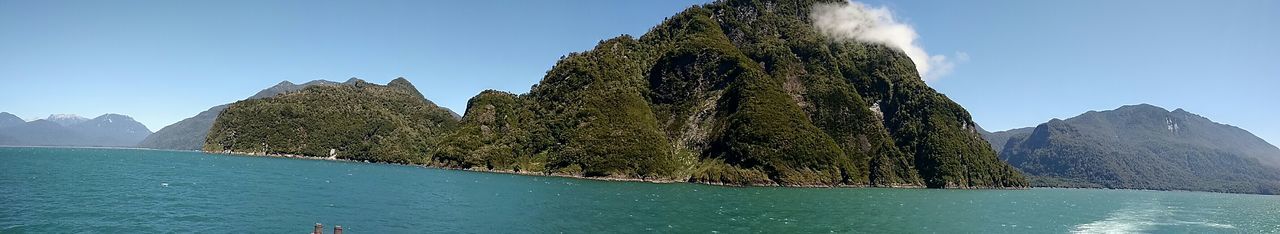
161, 61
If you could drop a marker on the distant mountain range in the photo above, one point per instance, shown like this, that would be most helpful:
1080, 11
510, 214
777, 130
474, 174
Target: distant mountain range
1142, 147
111, 130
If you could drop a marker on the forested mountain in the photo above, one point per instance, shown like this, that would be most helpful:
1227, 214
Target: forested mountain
106, 130
357, 120
189, 134
1146, 147
732, 92
998, 139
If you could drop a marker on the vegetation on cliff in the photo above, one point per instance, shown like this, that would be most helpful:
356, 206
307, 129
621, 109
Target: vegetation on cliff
733, 92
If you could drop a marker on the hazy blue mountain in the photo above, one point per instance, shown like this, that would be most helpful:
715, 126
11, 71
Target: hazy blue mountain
107, 130
1145, 147
111, 130
187, 134
66, 119
40, 132
7, 119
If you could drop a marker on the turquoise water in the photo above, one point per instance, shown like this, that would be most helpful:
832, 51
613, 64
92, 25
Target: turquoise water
143, 191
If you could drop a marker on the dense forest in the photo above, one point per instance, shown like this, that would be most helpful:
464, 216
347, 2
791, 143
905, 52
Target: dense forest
733, 92
1144, 147
359, 121
190, 133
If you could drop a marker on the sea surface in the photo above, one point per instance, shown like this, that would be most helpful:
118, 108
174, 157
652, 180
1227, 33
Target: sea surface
71, 190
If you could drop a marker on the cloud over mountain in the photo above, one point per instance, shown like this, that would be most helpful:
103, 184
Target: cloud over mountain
857, 21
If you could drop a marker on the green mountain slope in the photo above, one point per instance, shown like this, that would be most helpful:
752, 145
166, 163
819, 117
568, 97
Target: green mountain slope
734, 92
1146, 147
999, 139
189, 133
356, 121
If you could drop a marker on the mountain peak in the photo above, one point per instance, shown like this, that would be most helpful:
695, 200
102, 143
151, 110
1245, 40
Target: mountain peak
7, 119
402, 83
64, 116
1142, 107
319, 82
66, 119
113, 116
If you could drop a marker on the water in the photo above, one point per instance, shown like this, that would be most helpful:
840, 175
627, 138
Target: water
143, 191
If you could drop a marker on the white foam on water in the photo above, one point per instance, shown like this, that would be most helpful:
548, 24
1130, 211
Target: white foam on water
1133, 218
1140, 218
1208, 224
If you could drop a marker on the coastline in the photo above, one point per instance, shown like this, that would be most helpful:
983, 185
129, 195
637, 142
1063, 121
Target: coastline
598, 178
618, 179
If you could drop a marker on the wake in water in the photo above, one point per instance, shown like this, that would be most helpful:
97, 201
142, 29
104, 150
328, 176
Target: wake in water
1142, 217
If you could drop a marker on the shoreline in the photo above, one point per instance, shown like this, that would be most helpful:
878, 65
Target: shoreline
596, 178
618, 179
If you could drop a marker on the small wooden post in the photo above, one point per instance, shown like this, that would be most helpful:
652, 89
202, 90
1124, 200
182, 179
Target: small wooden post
319, 229
337, 229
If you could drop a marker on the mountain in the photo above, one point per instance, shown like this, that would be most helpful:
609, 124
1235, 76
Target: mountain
732, 92
40, 132
189, 133
107, 130
356, 120
998, 139
66, 119
111, 130
1146, 147
7, 119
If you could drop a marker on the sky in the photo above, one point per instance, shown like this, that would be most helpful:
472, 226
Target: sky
1012, 63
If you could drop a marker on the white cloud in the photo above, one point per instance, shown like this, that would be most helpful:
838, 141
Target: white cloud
856, 21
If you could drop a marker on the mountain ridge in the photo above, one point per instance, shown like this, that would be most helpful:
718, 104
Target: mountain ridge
110, 130
1145, 147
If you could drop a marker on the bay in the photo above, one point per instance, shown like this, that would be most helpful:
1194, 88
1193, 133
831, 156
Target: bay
62, 190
